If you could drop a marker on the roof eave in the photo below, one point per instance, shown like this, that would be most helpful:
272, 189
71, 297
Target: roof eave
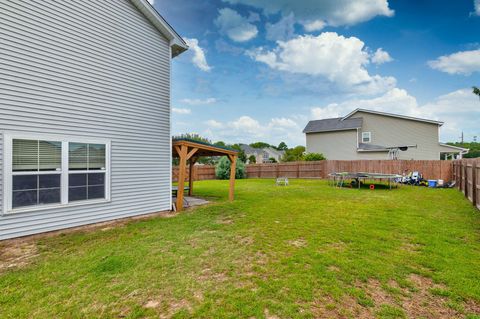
177, 44
333, 130
455, 147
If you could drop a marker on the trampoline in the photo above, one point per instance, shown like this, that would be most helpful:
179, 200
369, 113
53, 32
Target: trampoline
338, 178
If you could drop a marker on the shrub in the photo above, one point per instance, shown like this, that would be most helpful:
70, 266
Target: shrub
222, 170
313, 157
252, 159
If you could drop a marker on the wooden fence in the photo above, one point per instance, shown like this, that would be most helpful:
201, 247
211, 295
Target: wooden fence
466, 174
320, 169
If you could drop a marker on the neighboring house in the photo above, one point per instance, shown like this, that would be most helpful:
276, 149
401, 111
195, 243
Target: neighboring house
84, 113
366, 134
262, 155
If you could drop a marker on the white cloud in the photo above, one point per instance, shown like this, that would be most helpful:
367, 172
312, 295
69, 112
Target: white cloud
235, 26
316, 25
339, 59
181, 111
463, 62
314, 14
198, 58
477, 7
247, 129
210, 100
398, 101
214, 124
380, 56
282, 30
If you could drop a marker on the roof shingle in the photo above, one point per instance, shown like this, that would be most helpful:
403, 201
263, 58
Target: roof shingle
335, 124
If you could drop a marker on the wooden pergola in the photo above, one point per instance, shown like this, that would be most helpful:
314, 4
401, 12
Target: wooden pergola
188, 151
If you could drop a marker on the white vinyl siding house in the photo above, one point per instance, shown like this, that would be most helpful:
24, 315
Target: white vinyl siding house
84, 113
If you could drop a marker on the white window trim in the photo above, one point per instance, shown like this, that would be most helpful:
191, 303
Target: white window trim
369, 137
8, 174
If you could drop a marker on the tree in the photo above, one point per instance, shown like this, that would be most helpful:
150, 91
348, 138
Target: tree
222, 170
259, 145
313, 157
272, 160
220, 144
294, 154
282, 146
252, 159
241, 154
476, 91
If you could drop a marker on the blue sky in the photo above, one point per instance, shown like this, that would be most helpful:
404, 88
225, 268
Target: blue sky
260, 69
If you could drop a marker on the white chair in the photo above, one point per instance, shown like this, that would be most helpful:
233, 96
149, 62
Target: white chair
282, 181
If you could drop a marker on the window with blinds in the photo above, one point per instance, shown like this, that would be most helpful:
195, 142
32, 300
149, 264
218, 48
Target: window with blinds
36, 167
86, 171
42, 172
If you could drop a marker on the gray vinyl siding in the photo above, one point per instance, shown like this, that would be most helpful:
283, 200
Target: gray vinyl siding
334, 145
95, 69
392, 131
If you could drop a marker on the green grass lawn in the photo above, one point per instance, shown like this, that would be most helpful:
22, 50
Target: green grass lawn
303, 251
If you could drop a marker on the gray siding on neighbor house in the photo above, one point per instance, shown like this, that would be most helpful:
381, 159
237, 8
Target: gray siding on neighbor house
392, 131
334, 145
97, 70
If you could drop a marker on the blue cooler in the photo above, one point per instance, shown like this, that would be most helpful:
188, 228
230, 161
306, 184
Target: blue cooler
432, 183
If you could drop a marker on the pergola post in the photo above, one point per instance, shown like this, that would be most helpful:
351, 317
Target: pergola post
190, 175
182, 153
233, 164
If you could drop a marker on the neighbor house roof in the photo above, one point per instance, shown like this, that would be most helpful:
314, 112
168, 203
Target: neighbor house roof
391, 115
247, 149
177, 44
335, 124
460, 149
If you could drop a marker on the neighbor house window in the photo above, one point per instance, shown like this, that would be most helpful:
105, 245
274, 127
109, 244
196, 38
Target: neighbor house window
266, 159
54, 171
366, 137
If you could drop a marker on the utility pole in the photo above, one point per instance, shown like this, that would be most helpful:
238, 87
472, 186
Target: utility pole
474, 139
461, 138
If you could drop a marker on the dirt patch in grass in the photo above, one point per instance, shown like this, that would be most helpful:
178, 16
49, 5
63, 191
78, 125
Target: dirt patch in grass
423, 299
333, 268
225, 221
411, 247
245, 241
168, 309
208, 274
17, 254
298, 242
268, 315
423, 303
418, 301
345, 307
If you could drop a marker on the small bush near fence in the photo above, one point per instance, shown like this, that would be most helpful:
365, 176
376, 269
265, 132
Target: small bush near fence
222, 170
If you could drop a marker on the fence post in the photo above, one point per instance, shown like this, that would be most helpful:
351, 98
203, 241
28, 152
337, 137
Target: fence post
298, 169
474, 183
465, 172
276, 170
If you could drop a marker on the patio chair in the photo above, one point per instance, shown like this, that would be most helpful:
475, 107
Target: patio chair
281, 181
